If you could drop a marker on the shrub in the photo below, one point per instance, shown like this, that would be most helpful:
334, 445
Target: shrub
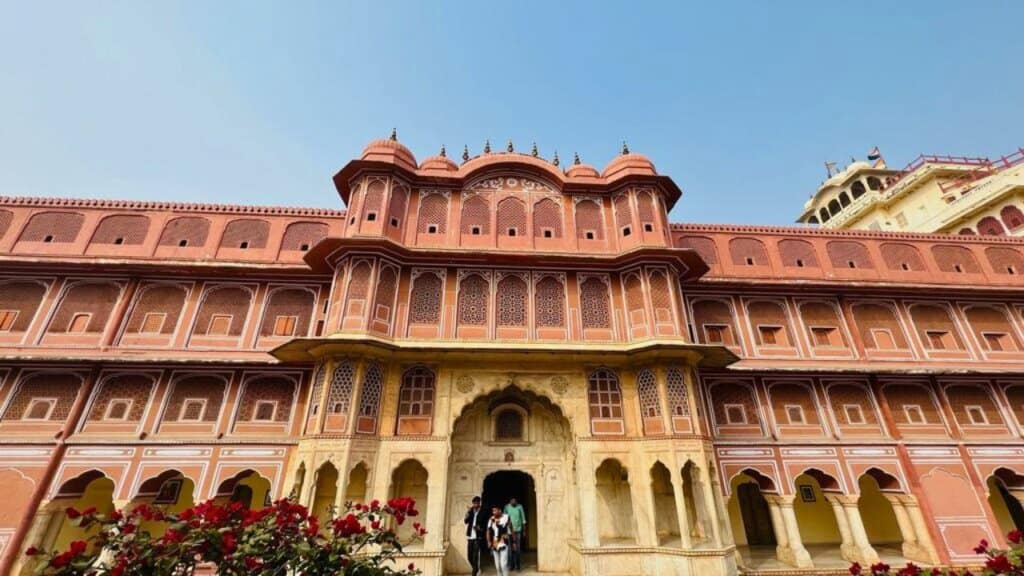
281, 539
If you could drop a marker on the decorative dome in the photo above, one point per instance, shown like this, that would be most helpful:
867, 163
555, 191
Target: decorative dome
439, 164
389, 150
582, 171
629, 163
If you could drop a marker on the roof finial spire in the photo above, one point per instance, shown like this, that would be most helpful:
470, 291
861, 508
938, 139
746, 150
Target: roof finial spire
394, 135
533, 151
444, 153
625, 148
555, 160
465, 153
509, 146
487, 146
576, 159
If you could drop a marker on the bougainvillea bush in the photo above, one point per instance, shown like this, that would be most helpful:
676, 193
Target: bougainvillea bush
1002, 562
282, 539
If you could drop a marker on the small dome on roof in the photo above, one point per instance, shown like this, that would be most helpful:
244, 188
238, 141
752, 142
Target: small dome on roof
439, 164
582, 171
389, 150
631, 163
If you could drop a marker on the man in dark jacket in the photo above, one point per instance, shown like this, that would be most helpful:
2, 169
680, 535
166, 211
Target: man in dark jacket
476, 533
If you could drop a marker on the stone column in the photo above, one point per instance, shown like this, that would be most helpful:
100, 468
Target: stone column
924, 541
847, 547
787, 533
911, 547
684, 518
865, 552
587, 481
50, 514
709, 507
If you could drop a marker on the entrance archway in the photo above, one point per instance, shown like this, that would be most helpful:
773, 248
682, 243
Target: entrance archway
503, 485
514, 442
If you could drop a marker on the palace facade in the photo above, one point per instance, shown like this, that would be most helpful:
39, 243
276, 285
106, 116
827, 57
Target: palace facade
664, 398
933, 193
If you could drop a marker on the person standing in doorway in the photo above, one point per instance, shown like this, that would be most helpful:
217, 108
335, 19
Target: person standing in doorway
517, 517
476, 534
498, 539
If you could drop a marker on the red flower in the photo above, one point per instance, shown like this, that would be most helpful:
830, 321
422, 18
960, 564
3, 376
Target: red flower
78, 547
251, 563
982, 547
880, 568
411, 566
375, 524
1014, 536
375, 505
72, 513
31, 551
116, 516
910, 569
999, 564
228, 543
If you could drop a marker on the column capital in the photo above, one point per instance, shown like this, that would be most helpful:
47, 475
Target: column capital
784, 500
841, 499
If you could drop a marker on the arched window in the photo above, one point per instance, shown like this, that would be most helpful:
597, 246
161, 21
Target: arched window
340, 393
873, 183
824, 214
857, 189
989, 226
369, 399
1012, 217
844, 199
647, 389
416, 397
834, 207
508, 425
511, 301
550, 302
433, 214
476, 216
425, 299
547, 219
589, 223
604, 395
474, 292
676, 389
595, 309
511, 217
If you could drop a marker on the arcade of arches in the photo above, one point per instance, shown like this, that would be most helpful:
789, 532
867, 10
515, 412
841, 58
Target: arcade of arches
613, 503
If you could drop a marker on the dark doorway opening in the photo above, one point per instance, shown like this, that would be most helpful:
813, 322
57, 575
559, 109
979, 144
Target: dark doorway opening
757, 521
1013, 506
499, 488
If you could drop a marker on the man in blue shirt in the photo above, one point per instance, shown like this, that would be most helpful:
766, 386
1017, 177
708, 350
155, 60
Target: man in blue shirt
517, 518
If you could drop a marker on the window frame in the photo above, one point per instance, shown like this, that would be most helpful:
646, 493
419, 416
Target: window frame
127, 409
788, 408
185, 403
729, 421
274, 405
920, 420
8, 317
861, 420
51, 402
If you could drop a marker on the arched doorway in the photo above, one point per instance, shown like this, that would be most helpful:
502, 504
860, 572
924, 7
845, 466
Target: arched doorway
499, 488
1003, 487
514, 442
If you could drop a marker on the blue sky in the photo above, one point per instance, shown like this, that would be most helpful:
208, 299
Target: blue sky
740, 102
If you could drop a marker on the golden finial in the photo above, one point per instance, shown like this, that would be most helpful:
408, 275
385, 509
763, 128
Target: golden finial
509, 146
625, 148
394, 135
555, 160
576, 158
487, 146
533, 151
465, 153
444, 153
